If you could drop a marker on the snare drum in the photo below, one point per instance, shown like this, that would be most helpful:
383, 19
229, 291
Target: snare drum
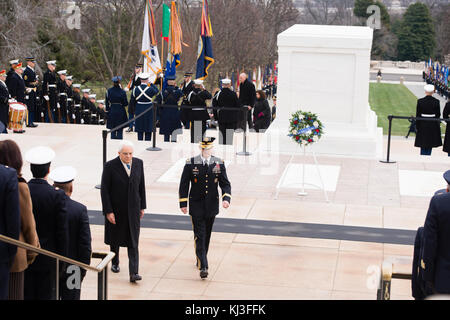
17, 115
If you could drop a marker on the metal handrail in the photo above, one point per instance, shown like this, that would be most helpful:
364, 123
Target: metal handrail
386, 276
100, 268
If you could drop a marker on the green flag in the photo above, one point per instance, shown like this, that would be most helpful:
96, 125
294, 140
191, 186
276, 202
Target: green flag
166, 22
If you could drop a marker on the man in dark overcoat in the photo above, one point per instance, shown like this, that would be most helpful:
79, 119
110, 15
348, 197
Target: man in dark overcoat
428, 134
247, 97
446, 115
435, 260
124, 202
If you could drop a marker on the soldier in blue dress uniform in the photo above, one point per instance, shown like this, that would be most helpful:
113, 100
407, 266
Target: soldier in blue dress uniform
170, 123
31, 83
62, 96
199, 184
79, 246
435, 262
49, 210
116, 101
4, 107
143, 95
50, 93
135, 81
198, 115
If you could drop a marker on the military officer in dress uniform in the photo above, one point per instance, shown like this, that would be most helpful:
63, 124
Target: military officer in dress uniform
62, 97
226, 98
143, 95
49, 92
4, 106
101, 112
428, 134
199, 184
116, 101
93, 109
134, 82
70, 107
15, 84
76, 102
85, 107
170, 123
31, 83
436, 244
198, 115
187, 88
50, 214
79, 234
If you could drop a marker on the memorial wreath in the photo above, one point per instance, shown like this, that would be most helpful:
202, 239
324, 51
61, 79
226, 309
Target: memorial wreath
305, 128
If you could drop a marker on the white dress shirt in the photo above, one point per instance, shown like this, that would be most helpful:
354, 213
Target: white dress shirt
207, 161
126, 167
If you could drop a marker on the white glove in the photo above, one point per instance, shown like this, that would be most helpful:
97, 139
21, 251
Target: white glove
46, 98
82, 121
12, 100
126, 89
58, 105
28, 90
42, 114
73, 117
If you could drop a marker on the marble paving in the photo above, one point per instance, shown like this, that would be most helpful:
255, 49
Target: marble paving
362, 192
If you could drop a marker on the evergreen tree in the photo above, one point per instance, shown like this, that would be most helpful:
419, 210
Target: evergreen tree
416, 37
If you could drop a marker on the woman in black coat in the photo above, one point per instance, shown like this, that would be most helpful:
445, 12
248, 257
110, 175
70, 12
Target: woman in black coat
446, 115
261, 112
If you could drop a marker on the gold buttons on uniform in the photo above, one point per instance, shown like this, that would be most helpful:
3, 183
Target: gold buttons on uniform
206, 192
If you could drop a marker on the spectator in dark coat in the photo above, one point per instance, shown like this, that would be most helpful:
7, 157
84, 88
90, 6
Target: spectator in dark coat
446, 115
261, 112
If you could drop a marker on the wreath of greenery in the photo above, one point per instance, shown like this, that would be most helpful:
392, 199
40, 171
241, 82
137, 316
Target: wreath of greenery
305, 128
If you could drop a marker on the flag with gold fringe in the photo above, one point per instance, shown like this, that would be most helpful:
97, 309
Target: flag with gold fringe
205, 57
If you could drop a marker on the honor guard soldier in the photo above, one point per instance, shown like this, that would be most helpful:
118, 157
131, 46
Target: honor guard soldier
4, 106
77, 102
93, 108
79, 248
436, 244
16, 85
85, 107
70, 107
49, 210
116, 101
428, 134
169, 123
226, 98
31, 83
187, 88
134, 82
199, 184
49, 92
198, 115
101, 112
143, 95
62, 97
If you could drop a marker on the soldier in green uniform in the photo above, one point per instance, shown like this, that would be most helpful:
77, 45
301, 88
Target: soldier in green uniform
199, 184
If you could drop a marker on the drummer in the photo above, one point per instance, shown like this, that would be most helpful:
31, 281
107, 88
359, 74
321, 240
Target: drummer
16, 85
4, 107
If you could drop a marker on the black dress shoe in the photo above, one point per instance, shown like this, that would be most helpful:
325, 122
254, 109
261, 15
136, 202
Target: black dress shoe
130, 130
204, 273
115, 268
32, 125
135, 277
21, 131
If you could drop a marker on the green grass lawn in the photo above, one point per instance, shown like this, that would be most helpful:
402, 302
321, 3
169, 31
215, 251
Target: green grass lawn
392, 99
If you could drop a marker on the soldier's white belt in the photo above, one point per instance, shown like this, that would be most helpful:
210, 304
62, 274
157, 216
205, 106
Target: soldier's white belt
144, 102
77, 105
63, 94
52, 85
69, 99
86, 111
428, 115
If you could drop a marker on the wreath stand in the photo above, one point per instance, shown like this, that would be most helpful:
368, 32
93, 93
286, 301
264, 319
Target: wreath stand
303, 193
